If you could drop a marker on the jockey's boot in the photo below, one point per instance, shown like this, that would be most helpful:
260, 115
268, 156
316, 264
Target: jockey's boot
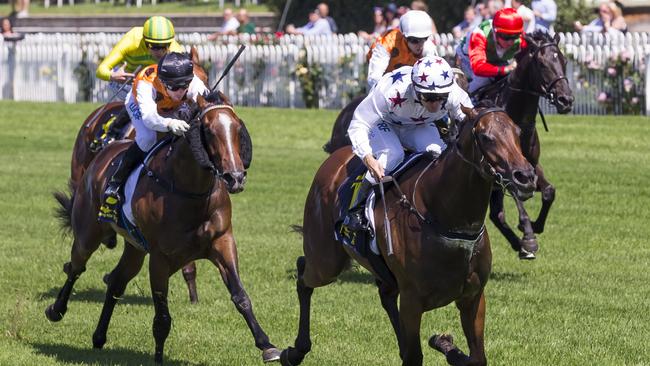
113, 133
112, 198
356, 221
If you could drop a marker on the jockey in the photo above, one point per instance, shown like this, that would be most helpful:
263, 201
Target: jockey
157, 89
400, 47
141, 46
487, 53
400, 113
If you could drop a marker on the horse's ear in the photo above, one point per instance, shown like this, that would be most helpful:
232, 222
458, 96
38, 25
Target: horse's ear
213, 97
556, 38
194, 55
469, 112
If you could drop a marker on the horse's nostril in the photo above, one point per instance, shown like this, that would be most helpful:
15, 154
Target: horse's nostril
522, 177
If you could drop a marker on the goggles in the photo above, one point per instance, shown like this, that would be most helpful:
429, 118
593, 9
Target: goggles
157, 46
176, 87
415, 40
432, 98
508, 37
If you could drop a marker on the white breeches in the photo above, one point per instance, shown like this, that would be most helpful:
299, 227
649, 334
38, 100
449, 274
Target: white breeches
388, 141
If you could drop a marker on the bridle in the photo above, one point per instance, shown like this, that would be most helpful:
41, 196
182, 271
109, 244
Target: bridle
545, 91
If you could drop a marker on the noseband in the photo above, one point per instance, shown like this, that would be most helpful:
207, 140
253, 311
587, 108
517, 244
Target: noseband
545, 91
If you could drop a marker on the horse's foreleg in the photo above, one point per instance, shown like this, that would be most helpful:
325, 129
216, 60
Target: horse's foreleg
410, 317
528, 244
498, 218
472, 315
128, 267
73, 269
294, 356
388, 296
224, 256
548, 196
162, 322
189, 274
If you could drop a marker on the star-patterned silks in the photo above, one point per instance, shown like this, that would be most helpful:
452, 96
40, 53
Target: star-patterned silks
397, 76
419, 119
445, 74
423, 77
397, 100
428, 63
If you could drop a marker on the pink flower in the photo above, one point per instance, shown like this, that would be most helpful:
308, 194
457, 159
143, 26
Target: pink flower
628, 84
625, 56
611, 71
602, 97
634, 100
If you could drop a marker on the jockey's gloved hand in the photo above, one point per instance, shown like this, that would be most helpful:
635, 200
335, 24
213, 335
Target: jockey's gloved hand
177, 127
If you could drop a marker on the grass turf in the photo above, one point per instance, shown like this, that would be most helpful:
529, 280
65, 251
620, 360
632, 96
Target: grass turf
582, 302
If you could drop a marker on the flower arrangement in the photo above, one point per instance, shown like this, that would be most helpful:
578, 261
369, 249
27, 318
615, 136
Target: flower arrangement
310, 78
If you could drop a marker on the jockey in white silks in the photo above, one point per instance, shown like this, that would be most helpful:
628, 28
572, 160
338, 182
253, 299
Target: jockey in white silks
400, 113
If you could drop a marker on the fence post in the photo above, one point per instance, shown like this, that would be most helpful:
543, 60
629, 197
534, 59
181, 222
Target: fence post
647, 84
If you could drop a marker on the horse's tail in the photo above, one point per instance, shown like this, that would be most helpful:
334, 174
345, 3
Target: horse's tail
64, 212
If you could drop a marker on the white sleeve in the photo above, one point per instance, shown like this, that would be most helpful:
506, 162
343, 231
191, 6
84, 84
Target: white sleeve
196, 88
377, 65
150, 117
369, 112
458, 97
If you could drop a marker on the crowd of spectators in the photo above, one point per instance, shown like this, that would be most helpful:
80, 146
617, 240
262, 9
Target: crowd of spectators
609, 20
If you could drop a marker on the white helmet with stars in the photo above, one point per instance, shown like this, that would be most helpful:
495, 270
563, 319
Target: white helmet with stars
416, 23
432, 74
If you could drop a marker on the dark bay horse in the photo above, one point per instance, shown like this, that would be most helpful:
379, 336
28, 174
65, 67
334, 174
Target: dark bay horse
82, 155
441, 247
540, 72
182, 207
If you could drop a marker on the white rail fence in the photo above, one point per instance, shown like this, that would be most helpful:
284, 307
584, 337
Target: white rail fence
608, 75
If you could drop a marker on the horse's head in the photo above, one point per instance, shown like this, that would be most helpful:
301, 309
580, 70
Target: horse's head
499, 154
219, 140
543, 67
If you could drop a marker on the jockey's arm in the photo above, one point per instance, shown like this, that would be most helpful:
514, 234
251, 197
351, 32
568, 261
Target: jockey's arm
458, 97
478, 58
115, 57
368, 114
377, 65
150, 117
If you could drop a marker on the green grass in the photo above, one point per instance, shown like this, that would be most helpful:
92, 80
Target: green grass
584, 301
89, 8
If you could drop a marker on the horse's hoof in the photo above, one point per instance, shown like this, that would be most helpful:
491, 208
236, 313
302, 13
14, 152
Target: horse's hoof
99, 341
53, 315
271, 355
526, 255
287, 360
529, 245
441, 342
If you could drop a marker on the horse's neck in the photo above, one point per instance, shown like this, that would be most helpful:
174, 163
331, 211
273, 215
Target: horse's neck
454, 193
522, 106
181, 168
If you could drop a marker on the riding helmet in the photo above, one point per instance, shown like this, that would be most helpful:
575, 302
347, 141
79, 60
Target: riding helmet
175, 69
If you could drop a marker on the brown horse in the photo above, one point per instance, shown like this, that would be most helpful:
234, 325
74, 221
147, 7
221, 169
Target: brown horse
440, 245
182, 207
82, 155
540, 72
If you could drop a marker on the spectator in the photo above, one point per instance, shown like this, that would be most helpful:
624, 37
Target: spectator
8, 31
230, 25
379, 28
245, 23
610, 20
545, 14
493, 6
390, 14
466, 25
20, 8
324, 12
526, 14
483, 12
316, 25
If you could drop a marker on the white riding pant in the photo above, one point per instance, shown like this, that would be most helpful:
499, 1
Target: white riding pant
388, 141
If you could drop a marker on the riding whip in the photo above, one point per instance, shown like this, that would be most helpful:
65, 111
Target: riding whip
228, 67
389, 241
101, 110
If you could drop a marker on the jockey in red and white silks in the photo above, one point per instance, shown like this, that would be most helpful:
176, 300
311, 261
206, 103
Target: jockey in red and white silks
401, 110
487, 53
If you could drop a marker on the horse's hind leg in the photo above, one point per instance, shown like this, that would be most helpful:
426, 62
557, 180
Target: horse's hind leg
79, 257
189, 274
498, 217
128, 267
224, 255
388, 296
548, 196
